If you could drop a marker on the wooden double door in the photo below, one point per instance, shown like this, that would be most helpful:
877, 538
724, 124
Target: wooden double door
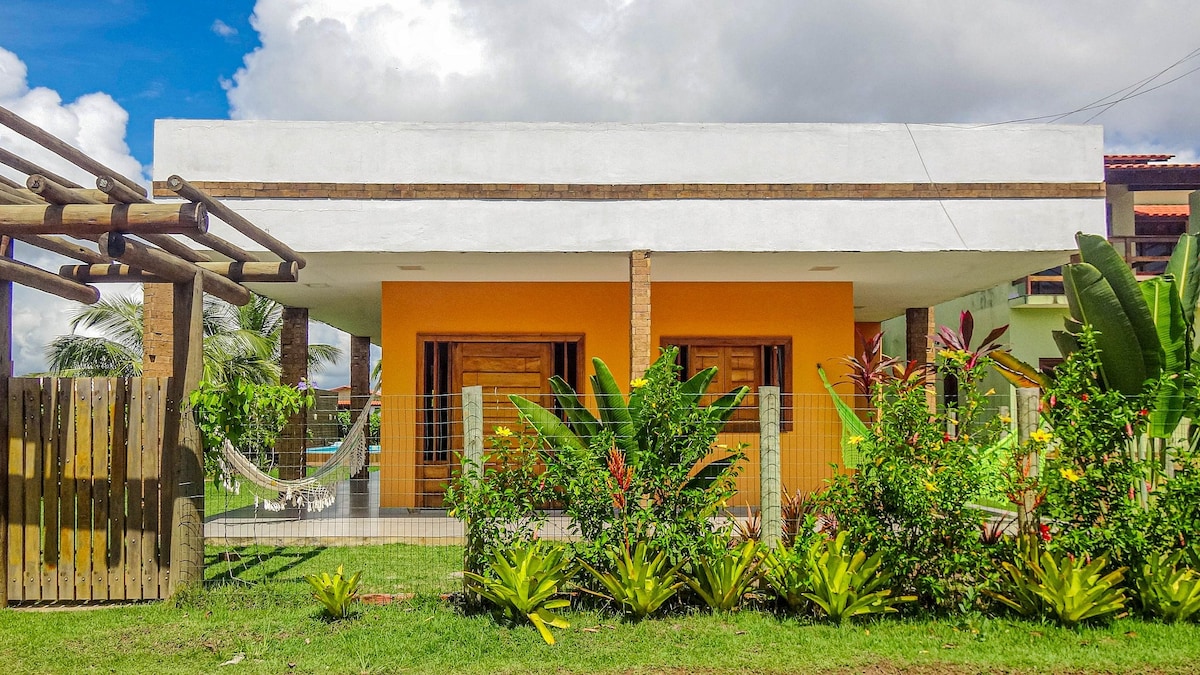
501, 366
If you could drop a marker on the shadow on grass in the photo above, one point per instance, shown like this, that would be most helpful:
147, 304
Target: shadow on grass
254, 564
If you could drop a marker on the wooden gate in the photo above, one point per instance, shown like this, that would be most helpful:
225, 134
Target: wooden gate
88, 514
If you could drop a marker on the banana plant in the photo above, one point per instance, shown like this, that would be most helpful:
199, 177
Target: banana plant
630, 422
1144, 330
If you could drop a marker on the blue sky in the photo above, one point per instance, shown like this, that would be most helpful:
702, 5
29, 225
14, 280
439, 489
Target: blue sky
157, 59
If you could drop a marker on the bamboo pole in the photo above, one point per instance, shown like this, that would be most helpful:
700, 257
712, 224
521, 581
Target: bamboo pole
192, 193
56, 145
34, 277
257, 272
14, 197
29, 168
95, 219
119, 247
5, 180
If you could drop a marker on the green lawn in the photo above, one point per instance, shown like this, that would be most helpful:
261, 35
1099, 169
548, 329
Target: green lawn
259, 608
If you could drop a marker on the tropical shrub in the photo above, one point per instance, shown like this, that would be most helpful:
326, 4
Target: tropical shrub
844, 584
919, 473
721, 580
521, 584
1167, 588
501, 500
250, 415
1070, 590
335, 593
643, 468
641, 580
786, 573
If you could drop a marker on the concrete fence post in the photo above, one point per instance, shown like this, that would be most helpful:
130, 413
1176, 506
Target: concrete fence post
771, 490
1027, 422
472, 464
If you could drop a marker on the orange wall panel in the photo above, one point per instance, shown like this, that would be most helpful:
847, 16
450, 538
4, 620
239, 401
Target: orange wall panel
598, 310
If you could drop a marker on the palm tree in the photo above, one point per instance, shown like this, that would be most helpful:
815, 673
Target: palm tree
239, 342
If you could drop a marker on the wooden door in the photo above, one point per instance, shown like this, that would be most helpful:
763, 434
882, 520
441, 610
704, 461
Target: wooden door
501, 368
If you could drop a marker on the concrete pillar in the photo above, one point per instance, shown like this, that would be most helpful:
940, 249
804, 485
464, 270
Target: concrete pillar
771, 489
1027, 422
472, 415
1193, 226
360, 383
640, 350
158, 336
1119, 200
293, 367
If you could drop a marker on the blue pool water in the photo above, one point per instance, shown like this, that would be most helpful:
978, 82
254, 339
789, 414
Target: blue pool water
330, 449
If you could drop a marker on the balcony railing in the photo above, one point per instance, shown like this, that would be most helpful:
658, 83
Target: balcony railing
1147, 254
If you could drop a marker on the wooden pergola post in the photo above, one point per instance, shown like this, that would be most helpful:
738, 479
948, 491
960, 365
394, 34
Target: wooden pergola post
182, 445
293, 367
6, 370
360, 385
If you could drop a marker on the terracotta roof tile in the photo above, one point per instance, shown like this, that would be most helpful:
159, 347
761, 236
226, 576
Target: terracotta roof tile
1135, 159
1161, 211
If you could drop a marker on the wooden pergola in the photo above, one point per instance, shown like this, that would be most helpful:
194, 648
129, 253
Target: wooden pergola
116, 234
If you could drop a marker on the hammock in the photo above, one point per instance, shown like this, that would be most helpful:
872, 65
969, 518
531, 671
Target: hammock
312, 493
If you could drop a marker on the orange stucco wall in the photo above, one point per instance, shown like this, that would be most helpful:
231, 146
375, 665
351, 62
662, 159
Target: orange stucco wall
819, 318
598, 310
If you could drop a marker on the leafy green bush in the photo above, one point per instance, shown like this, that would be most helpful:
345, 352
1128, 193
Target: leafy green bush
1167, 588
785, 571
644, 468
250, 415
722, 580
500, 502
844, 585
336, 593
640, 582
1069, 589
919, 473
522, 582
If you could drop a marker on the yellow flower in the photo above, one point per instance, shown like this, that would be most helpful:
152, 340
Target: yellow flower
503, 431
990, 392
947, 354
1070, 474
855, 440
930, 486
639, 383
1005, 419
1040, 436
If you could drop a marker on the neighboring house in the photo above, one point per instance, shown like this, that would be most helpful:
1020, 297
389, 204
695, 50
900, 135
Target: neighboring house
1147, 209
500, 254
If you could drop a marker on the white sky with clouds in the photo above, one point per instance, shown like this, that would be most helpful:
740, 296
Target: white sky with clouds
674, 60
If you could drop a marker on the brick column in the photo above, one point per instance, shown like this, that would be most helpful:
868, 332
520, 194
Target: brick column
293, 367
919, 330
158, 336
360, 383
640, 349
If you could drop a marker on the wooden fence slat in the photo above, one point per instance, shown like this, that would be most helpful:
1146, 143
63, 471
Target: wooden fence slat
118, 475
16, 492
67, 490
50, 472
151, 453
4, 385
134, 490
165, 488
83, 483
32, 430
100, 446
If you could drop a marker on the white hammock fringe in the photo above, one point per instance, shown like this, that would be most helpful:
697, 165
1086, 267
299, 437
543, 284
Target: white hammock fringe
311, 493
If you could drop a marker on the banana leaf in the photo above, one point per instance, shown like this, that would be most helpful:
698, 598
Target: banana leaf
697, 384
1017, 372
723, 407
547, 424
1184, 268
1122, 356
582, 421
614, 411
1162, 299
1097, 252
711, 471
851, 425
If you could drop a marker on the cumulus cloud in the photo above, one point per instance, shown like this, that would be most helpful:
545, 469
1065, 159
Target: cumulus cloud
709, 60
95, 124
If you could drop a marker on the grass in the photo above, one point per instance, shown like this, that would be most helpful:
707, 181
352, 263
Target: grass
259, 607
